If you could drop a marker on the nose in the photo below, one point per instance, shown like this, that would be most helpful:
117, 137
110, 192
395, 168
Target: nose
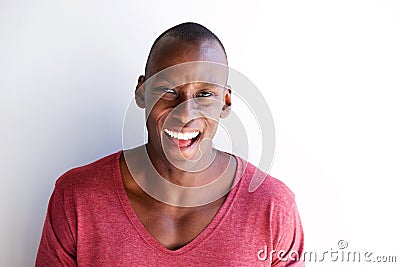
185, 110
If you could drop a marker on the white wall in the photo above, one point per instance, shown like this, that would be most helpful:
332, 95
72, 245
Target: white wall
328, 69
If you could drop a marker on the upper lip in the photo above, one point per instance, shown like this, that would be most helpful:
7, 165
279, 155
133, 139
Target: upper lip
182, 134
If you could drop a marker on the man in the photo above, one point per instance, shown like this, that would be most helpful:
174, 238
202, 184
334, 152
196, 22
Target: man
175, 201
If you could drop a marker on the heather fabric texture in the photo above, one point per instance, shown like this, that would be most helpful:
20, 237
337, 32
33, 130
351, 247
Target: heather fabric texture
90, 222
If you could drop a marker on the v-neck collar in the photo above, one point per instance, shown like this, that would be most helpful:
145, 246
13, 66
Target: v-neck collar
148, 237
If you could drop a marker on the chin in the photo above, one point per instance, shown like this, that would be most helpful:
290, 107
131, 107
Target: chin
181, 151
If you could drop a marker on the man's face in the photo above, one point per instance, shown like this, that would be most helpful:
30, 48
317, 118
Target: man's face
184, 102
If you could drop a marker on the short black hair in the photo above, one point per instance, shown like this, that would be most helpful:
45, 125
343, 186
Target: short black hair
188, 31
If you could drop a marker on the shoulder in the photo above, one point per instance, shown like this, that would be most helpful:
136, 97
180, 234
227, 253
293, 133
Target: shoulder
90, 175
262, 189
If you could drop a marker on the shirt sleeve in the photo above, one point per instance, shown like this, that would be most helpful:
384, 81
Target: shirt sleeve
289, 249
57, 246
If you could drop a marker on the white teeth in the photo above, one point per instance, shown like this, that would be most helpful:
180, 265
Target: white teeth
182, 136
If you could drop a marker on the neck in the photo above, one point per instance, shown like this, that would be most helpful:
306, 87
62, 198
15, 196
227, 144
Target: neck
186, 173
176, 187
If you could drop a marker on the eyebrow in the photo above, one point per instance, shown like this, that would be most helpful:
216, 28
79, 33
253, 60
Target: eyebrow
161, 76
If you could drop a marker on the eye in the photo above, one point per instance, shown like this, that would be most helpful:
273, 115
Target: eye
205, 94
167, 90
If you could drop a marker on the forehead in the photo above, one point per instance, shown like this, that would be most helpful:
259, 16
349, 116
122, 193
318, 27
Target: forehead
196, 72
171, 51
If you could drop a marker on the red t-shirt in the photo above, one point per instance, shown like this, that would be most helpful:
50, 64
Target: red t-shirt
90, 222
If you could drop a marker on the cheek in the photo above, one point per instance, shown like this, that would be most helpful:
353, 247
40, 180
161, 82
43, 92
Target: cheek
212, 112
157, 115
212, 126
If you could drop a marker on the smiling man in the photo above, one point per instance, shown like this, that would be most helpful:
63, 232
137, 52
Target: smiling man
175, 201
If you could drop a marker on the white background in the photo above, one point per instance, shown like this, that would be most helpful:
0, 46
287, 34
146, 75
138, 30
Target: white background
329, 71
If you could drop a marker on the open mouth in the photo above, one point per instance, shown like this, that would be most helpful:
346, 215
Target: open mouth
182, 139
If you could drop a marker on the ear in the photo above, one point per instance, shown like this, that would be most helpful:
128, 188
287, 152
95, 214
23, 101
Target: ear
139, 92
227, 105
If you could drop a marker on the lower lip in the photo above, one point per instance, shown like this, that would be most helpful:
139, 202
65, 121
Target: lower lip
182, 147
